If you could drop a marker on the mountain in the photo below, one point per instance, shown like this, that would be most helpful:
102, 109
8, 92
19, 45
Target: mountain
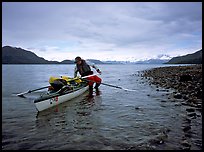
160, 59
152, 61
194, 58
95, 61
14, 55
117, 62
67, 62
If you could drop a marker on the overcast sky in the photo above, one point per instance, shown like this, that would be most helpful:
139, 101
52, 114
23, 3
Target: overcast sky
103, 30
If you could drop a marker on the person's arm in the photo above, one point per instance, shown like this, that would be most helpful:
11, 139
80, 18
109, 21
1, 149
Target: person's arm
75, 71
93, 66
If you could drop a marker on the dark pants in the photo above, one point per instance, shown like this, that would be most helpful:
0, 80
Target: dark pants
92, 80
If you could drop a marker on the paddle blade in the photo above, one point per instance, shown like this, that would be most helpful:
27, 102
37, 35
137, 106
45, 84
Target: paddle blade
129, 89
22, 94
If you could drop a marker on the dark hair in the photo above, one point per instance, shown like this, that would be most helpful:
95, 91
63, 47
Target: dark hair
77, 59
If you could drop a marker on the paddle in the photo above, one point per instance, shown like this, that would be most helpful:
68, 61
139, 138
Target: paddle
84, 77
110, 85
30, 91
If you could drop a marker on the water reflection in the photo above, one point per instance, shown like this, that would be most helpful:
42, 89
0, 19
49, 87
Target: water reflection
76, 120
72, 114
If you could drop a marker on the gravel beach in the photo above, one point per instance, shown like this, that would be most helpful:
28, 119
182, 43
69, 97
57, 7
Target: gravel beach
186, 82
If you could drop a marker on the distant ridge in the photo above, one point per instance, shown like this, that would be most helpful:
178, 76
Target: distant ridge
153, 61
67, 62
13, 55
194, 58
95, 61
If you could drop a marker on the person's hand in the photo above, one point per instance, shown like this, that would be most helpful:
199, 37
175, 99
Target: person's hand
98, 71
77, 77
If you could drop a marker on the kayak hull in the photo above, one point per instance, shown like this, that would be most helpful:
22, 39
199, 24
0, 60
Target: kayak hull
43, 103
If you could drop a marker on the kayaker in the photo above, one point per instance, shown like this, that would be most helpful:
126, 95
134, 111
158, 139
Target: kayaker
83, 67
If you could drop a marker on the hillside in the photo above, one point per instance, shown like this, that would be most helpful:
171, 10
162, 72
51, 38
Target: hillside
95, 61
13, 55
152, 61
194, 58
67, 62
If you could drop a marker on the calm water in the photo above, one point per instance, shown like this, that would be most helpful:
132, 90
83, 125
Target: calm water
114, 120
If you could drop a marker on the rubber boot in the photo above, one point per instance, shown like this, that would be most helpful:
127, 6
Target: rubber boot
90, 91
97, 90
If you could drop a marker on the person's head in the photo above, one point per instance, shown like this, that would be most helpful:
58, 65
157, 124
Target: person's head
78, 60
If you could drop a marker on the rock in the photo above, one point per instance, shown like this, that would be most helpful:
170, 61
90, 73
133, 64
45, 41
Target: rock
185, 97
186, 128
190, 110
185, 78
189, 135
184, 103
193, 114
185, 143
178, 96
199, 109
188, 120
178, 104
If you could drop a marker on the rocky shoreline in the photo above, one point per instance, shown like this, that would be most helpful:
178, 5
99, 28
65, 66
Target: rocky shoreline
186, 81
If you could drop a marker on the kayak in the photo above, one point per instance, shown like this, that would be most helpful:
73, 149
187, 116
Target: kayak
51, 99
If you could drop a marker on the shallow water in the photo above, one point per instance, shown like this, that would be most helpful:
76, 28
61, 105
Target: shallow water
117, 119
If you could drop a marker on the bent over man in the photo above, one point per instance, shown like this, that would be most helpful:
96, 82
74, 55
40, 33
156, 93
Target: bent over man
84, 69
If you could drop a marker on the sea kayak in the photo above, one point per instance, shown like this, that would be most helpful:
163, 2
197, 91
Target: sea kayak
51, 99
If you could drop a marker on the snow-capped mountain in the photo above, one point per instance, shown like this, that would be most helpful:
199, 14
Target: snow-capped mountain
163, 57
159, 59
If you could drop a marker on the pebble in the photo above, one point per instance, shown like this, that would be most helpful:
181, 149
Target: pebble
185, 143
193, 114
186, 128
190, 110
178, 96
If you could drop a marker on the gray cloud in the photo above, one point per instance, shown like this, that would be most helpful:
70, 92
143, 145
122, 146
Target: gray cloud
108, 25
